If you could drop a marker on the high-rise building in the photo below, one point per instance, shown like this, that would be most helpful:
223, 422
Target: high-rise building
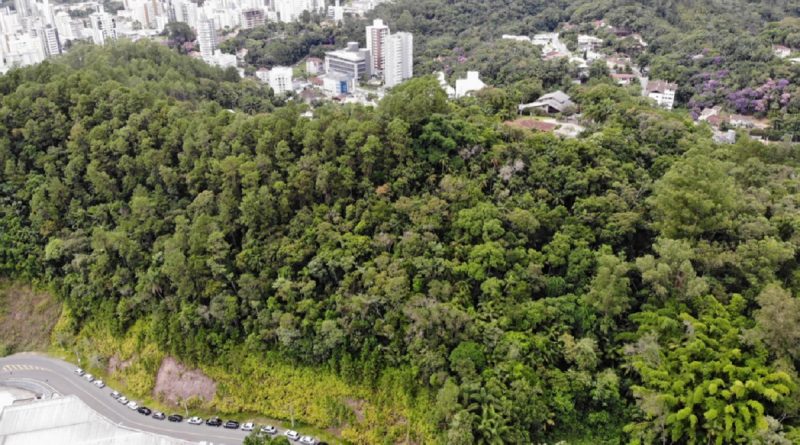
253, 17
290, 10
104, 26
399, 58
280, 79
207, 37
50, 41
23, 7
376, 42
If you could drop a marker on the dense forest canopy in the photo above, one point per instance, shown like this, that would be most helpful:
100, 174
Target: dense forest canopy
636, 284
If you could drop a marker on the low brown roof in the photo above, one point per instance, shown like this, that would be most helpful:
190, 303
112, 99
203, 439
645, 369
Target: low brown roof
659, 86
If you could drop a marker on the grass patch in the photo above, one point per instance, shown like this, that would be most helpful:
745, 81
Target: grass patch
27, 317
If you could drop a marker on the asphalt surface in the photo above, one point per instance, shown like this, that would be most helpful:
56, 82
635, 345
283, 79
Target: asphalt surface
60, 376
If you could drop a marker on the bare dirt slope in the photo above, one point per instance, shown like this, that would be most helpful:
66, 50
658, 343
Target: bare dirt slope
27, 317
175, 383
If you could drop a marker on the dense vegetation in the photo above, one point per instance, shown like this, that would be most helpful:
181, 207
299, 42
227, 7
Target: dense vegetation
633, 285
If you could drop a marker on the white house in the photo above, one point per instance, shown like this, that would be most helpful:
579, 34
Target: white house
662, 92
469, 84
451, 92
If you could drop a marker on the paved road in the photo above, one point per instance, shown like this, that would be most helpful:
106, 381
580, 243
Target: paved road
59, 375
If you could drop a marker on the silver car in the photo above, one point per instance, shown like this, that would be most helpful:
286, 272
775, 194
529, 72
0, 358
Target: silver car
269, 429
292, 435
308, 440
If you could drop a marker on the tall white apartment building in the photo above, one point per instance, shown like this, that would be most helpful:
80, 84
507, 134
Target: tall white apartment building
376, 44
104, 27
24, 7
50, 41
280, 79
186, 12
207, 37
291, 10
399, 58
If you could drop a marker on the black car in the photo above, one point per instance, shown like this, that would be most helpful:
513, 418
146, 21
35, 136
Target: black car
232, 424
175, 418
158, 415
213, 421
145, 410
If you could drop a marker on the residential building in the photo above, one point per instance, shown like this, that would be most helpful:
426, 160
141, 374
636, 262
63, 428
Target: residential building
451, 92
50, 41
280, 79
555, 102
103, 25
469, 84
253, 17
351, 61
207, 37
377, 34
262, 74
314, 66
24, 8
399, 58
662, 92
588, 43
624, 79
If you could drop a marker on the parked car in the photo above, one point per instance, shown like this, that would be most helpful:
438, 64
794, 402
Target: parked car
99, 384
116, 394
248, 426
145, 410
133, 405
232, 425
292, 435
195, 420
79, 371
123, 400
175, 418
158, 415
88, 377
269, 429
308, 440
213, 421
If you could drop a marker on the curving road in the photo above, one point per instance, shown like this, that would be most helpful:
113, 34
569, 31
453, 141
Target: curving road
59, 376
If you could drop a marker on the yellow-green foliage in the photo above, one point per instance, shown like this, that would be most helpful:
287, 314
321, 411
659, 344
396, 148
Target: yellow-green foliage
262, 387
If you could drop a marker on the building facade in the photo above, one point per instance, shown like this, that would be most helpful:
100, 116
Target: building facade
280, 79
377, 33
399, 58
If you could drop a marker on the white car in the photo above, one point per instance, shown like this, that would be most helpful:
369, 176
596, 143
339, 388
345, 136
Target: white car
79, 371
116, 394
195, 420
133, 405
307, 440
99, 384
248, 426
123, 400
269, 429
89, 377
292, 435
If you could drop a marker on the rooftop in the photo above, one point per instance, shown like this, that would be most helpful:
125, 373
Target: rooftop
659, 86
67, 420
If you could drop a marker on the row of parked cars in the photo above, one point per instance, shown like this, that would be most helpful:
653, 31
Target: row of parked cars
194, 420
